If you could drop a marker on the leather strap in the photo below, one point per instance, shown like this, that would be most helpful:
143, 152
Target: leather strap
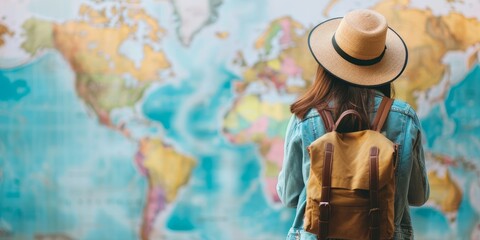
374, 205
327, 119
342, 116
326, 187
382, 114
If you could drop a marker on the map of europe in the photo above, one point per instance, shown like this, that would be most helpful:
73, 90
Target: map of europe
165, 119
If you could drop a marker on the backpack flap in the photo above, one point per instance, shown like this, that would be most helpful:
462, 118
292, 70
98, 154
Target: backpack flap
351, 167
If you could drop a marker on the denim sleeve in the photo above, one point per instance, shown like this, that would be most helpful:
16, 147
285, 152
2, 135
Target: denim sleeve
290, 181
419, 189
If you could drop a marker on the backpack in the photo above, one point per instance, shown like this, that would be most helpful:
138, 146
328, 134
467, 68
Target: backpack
352, 197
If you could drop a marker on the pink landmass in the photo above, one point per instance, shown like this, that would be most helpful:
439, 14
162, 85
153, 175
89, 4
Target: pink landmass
286, 38
139, 158
275, 154
271, 187
156, 202
271, 74
290, 68
231, 138
259, 126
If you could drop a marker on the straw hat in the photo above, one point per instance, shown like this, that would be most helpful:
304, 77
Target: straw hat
359, 48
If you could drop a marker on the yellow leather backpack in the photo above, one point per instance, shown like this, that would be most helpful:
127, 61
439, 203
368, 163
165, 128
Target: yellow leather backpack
351, 188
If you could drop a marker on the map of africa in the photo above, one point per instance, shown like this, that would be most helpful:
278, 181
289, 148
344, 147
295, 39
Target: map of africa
156, 119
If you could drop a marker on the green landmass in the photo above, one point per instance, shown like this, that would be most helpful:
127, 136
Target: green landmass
108, 92
39, 35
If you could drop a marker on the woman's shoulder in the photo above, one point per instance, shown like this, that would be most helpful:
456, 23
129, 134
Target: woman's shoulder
303, 124
404, 107
404, 110
313, 112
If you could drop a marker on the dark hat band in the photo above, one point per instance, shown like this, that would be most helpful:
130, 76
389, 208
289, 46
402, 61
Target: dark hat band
353, 60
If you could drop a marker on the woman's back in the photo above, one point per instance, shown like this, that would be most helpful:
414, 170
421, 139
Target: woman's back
358, 58
401, 127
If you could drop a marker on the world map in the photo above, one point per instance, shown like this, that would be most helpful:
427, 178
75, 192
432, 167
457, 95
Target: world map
156, 119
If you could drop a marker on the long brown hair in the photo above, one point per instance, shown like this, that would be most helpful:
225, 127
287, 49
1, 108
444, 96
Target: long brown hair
329, 92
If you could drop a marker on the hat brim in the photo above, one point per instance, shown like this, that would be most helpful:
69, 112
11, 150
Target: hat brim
389, 68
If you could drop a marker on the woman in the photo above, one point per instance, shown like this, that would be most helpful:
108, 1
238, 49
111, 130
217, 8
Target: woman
358, 56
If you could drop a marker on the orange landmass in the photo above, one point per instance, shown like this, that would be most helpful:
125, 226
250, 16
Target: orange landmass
4, 31
428, 38
95, 16
156, 32
95, 50
444, 191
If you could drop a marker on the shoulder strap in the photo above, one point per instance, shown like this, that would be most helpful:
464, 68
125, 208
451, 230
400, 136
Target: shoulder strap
374, 201
324, 205
382, 114
327, 119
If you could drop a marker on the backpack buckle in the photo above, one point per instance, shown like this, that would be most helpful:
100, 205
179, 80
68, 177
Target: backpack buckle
324, 211
374, 214
373, 211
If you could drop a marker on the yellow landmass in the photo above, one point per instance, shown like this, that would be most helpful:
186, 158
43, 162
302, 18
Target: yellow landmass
275, 64
276, 111
156, 60
294, 25
222, 35
260, 42
251, 108
329, 7
250, 75
428, 38
114, 10
4, 31
94, 50
444, 192
231, 121
140, 15
97, 17
166, 167
473, 58
271, 169
463, 30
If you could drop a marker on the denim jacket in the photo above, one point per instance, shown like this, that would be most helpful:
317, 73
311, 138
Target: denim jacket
401, 127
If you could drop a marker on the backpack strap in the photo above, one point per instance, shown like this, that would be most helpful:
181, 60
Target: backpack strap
327, 119
325, 197
382, 114
343, 115
374, 206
